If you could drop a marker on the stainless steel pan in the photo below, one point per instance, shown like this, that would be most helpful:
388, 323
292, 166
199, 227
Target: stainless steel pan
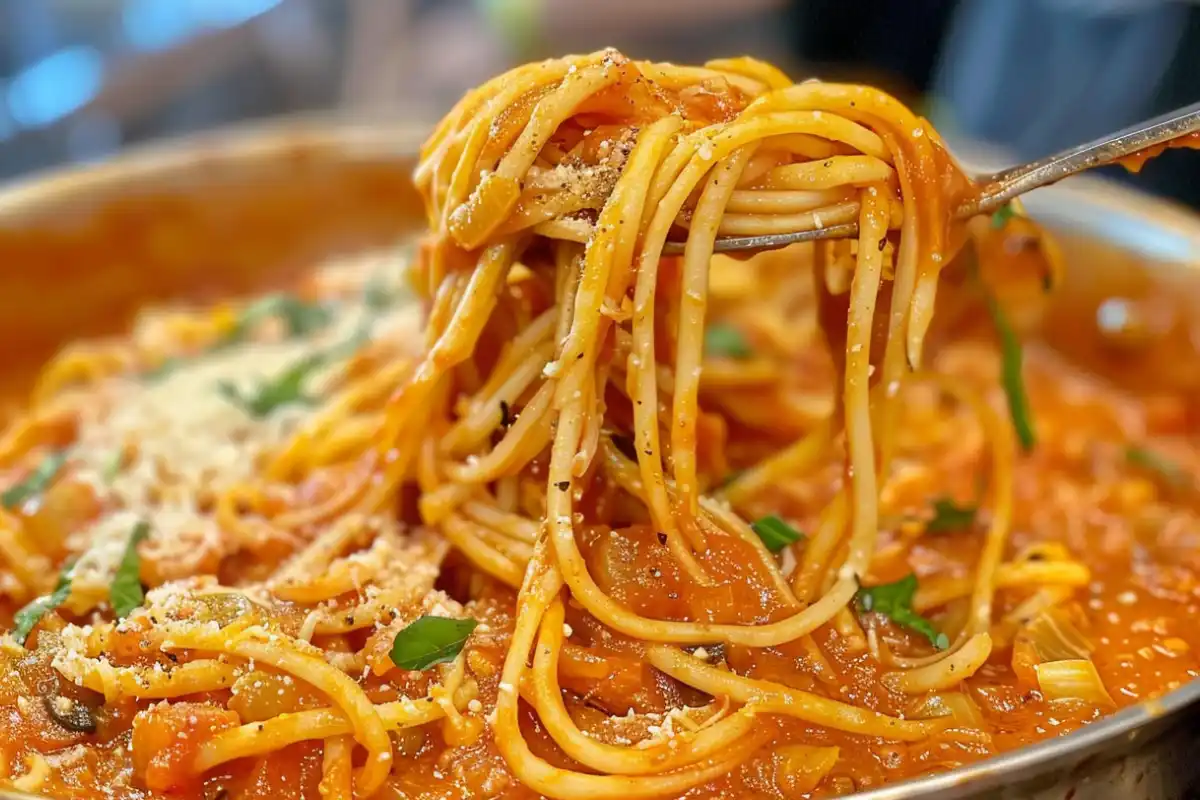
82, 249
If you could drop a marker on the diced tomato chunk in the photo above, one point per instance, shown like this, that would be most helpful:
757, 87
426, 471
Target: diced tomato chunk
166, 737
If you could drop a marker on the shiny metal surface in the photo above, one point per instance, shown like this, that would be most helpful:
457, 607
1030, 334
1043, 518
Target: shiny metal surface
1147, 752
998, 188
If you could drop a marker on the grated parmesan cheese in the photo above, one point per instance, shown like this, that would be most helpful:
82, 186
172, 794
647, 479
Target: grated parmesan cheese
184, 442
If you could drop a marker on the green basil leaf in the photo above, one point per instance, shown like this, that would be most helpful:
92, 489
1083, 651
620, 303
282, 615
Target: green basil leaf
726, 341
1002, 215
949, 516
25, 620
775, 533
35, 483
125, 593
430, 640
894, 601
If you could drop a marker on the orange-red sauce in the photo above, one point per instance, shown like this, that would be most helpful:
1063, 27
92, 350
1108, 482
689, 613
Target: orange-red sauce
1139, 537
1135, 161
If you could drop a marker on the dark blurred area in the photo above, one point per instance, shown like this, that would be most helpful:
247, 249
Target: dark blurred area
81, 79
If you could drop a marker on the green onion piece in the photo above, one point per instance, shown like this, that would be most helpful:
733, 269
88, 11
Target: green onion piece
726, 341
125, 593
775, 533
35, 483
1002, 215
430, 640
284, 389
894, 601
25, 620
1011, 375
949, 516
1172, 474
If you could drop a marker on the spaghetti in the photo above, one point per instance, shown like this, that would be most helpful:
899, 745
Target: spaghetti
553, 546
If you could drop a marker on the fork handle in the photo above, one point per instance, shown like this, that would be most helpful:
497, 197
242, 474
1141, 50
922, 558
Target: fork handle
998, 188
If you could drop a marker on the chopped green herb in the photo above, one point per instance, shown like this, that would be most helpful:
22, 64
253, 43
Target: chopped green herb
1011, 374
430, 640
730, 478
775, 533
949, 516
300, 317
284, 389
25, 620
344, 350
35, 483
125, 594
377, 296
505, 415
726, 341
1002, 215
894, 601
1171, 473
164, 369
288, 387
112, 467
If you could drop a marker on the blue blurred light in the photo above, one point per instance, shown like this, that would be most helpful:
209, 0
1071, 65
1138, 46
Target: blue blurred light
52, 88
227, 13
157, 24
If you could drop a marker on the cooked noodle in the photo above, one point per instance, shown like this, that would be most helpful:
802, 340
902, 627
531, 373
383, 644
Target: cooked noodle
555, 462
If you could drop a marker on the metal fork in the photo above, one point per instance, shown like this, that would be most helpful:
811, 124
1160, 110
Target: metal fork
1000, 187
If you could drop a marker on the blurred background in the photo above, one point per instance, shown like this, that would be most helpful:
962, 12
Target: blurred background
81, 79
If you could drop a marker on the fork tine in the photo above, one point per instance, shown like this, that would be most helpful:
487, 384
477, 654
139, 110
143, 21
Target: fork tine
773, 241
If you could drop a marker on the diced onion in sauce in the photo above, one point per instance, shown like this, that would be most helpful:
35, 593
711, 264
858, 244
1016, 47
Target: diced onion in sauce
1073, 679
958, 706
800, 768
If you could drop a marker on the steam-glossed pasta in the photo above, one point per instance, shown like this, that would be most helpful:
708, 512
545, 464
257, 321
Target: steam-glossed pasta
529, 509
